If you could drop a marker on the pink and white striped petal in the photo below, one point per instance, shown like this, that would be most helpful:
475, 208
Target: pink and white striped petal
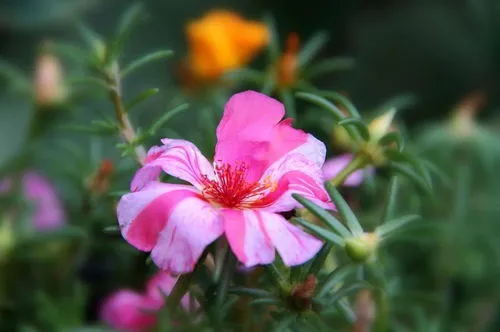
247, 238
254, 235
297, 172
294, 246
251, 132
179, 158
192, 225
143, 214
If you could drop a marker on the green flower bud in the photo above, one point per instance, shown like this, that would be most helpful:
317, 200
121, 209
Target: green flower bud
360, 249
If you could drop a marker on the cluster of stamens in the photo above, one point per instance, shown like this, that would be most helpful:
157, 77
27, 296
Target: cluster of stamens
230, 188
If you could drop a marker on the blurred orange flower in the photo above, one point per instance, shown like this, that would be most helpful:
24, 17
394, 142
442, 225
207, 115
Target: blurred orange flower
221, 41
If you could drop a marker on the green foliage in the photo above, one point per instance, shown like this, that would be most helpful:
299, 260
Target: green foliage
413, 248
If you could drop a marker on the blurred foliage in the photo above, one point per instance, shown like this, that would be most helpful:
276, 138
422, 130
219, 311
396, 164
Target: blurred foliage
423, 56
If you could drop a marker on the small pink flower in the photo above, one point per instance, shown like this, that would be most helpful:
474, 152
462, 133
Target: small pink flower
48, 210
127, 310
333, 166
259, 162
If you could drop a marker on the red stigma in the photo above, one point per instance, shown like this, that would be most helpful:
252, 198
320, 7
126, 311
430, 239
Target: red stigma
230, 189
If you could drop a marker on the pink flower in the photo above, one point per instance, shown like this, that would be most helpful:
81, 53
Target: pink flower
334, 165
128, 310
48, 210
259, 162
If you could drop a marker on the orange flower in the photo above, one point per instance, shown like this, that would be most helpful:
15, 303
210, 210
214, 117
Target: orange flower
221, 41
287, 64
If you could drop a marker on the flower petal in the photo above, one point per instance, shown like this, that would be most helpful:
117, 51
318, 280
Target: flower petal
178, 158
245, 235
192, 225
297, 172
126, 310
333, 166
150, 171
143, 214
49, 212
253, 236
250, 131
294, 245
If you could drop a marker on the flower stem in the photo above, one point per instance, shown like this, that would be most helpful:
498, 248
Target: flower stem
126, 129
225, 278
180, 288
358, 162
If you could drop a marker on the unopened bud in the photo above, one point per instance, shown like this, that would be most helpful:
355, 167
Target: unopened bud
287, 64
49, 89
362, 248
462, 122
365, 311
302, 294
99, 183
99, 51
381, 125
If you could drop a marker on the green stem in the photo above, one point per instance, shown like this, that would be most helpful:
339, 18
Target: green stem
127, 131
225, 279
182, 285
358, 162
381, 323
180, 288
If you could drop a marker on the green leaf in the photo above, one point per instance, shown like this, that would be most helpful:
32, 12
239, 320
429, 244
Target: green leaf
246, 75
90, 37
273, 49
289, 102
348, 290
141, 97
339, 275
265, 302
433, 168
285, 323
416, 163
322, 214
395, 224
344, 210
391, 199
111, 230
320, 258
89, 80
408, 172
321, 232
311, 48
166, 117
127, 23
99, 127
327, 66
323, 103
358, 124
269, 85
15, 77
250, 291
144, 60
393, 137
343, 100
346, 311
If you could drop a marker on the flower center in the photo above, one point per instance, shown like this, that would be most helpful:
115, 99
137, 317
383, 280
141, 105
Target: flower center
230, 188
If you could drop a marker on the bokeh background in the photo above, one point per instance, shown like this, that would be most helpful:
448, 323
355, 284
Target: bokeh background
431, 52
